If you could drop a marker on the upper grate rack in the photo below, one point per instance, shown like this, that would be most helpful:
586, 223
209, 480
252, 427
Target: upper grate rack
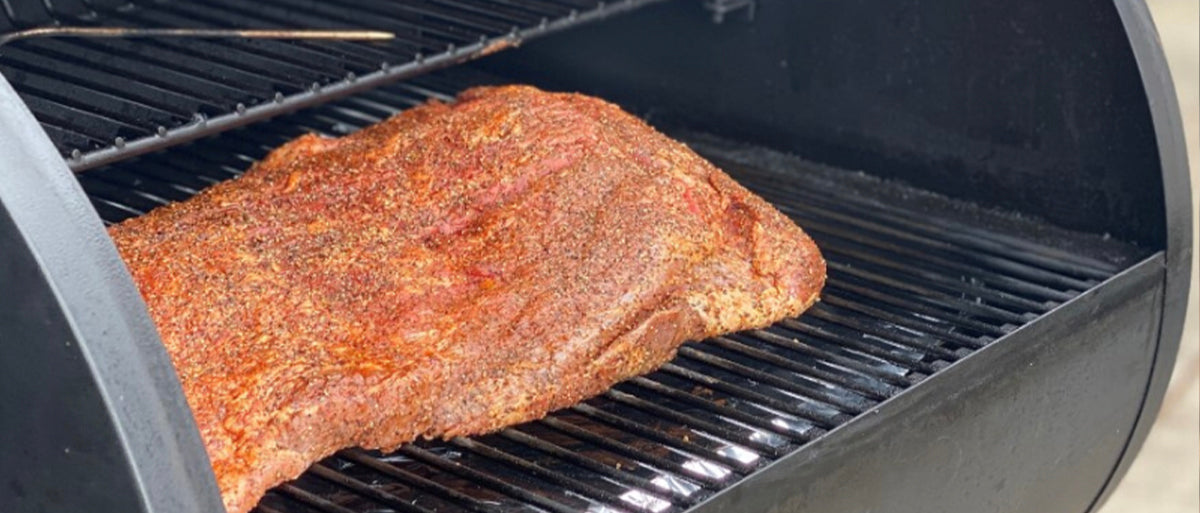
102, 100
913, 287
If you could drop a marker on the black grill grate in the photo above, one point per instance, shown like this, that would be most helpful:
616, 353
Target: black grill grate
101, 100
910, 291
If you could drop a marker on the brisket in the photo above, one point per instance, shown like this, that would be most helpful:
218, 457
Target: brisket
452, 270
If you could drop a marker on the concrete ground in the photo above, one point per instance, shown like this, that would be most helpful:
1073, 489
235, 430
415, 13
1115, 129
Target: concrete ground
1165, 478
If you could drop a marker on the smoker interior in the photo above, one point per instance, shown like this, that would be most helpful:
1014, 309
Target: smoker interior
917, 282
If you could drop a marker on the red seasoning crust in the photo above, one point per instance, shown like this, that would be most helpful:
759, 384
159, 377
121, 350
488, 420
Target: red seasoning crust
450, 271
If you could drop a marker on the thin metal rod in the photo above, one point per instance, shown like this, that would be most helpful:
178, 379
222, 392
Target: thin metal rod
132, 32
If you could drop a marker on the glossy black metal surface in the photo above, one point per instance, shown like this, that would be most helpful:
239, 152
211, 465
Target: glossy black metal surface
917, 283
101, 100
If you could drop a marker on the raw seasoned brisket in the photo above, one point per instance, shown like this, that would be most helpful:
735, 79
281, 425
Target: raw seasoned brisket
453, 270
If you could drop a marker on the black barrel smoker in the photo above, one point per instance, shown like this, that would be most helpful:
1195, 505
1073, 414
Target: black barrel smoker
1000, 189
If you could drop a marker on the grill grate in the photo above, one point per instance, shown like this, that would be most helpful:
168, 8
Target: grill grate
910, 291
101, 100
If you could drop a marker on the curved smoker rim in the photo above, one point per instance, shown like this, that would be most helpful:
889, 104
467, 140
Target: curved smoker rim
113, 351
1172, 149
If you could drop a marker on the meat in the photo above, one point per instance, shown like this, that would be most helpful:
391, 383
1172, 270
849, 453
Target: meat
452, 270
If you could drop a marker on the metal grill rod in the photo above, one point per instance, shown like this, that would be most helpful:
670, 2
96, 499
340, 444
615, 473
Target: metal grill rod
139, 32
624, 449
593, 465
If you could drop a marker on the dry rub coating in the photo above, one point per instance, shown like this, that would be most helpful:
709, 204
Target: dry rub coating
452, 270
